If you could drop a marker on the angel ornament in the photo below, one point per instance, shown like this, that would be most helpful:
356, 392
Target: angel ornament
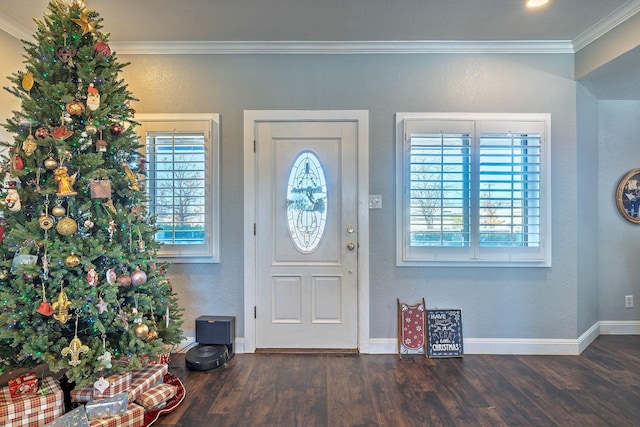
65, 182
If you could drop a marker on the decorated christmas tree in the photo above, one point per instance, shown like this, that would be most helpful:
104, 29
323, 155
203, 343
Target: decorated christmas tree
81, 288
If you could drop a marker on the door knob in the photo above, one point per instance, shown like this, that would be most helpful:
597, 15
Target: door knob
351, 246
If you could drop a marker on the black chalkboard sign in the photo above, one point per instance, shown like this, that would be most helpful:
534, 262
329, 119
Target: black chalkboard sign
444, 333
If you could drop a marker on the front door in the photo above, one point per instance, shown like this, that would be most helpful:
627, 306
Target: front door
306, 234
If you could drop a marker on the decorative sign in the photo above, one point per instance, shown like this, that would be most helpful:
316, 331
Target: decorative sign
444, 333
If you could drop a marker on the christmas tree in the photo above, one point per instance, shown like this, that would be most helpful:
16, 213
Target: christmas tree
81, 288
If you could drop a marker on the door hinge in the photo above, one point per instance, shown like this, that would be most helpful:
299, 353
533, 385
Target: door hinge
255, 312
254, 228
254, 145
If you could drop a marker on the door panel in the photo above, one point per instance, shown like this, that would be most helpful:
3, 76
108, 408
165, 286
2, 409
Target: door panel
306, 273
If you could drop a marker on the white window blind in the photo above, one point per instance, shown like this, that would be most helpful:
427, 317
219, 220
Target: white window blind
181, 152
472, 190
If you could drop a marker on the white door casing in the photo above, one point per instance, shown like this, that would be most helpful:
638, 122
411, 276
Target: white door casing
319, 298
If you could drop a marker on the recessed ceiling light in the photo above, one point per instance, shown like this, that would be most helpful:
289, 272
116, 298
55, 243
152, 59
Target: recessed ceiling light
536, 3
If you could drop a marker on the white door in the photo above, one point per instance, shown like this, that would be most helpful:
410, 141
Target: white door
306, 234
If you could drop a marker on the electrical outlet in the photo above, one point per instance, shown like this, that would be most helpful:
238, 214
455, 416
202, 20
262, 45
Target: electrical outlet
375, 201
628, 301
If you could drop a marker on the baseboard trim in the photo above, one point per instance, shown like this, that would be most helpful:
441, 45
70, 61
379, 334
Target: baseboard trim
506, 346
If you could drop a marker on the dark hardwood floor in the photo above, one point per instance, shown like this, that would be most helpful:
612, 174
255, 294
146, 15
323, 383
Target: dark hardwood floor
601, 387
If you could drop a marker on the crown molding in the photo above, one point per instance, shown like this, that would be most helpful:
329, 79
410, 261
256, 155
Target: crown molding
14, 29
339, 47
608, 23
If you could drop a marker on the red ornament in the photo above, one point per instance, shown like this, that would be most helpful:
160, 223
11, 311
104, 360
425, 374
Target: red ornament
42, 133
18, 163
45, 309
102, 48
116, 129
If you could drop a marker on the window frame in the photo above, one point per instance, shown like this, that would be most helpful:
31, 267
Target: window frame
473, 255
209, 125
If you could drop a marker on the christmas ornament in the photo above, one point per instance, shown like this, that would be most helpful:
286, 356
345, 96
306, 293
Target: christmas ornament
93, 98
67, 226
50, 163
90, 128
72, 260
138, 277
46, 221
88, 223
58, 210
124, 318
61, 306
4, 273
18, 163
29, 145
42, 133
102, 48
111, 228
132, 177
105, 358
45, 308
75, 348
111, 276
100, 188
63, 53
27, 81
101, 145
61, 133
124, 280
141, 330
75, 108
65, 182
87, 25
152, 335
92, 277
102, 306
12, 200
116, 129
101, 385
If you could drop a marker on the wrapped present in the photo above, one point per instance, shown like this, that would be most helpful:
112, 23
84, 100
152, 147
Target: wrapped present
144, 378
134, 417
117, 384
26, 384
108, 407
75, 418
156, 395
39, 409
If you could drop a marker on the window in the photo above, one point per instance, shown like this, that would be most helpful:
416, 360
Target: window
181, 152
473, 189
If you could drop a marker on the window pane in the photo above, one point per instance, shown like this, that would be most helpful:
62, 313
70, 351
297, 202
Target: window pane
510, 190
176, 186
439, 168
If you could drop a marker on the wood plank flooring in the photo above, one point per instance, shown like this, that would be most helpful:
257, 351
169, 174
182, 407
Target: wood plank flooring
601, 387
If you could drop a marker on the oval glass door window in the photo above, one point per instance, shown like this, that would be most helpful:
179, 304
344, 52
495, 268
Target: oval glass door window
306, 202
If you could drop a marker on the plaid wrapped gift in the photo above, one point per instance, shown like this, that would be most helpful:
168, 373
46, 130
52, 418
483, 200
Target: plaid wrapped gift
156, 395
117, 384
75, 418
108, 407
29, 411
134, 417
144, 378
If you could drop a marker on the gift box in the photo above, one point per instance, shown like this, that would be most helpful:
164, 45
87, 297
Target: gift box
144, 378
75, 418
117, 384
134, 417
108, 407
26, 384
38, 409
156, 395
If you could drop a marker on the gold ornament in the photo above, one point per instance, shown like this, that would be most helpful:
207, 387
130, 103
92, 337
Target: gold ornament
86, 24
141, 330
61, 307
27, 81
152, 335
72, 260
67, 226
133, 178
75, 348
29, 145
58, 211
65, 182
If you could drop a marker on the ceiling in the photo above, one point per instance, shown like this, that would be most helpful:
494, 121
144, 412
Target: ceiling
573, 22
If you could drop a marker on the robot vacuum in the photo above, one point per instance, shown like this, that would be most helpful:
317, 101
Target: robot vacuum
206, 357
